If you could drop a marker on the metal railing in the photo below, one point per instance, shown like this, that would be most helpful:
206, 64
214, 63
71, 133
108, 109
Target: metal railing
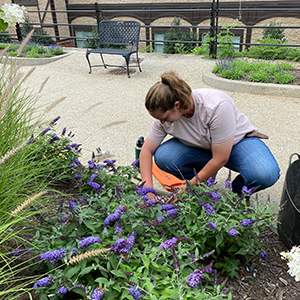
213, 29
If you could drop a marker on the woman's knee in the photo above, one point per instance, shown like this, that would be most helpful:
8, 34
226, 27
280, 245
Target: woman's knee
264, 178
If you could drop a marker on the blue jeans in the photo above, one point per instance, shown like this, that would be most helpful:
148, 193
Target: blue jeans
250, 157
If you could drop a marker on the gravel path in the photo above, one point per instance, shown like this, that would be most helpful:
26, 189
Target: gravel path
107, 111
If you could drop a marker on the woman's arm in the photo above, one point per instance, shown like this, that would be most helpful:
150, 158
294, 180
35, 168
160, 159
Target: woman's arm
220, 156
146, 155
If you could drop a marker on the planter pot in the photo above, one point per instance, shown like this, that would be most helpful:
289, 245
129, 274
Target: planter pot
36, 61
289, 216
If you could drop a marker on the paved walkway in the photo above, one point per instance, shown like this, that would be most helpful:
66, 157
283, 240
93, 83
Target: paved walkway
107, 111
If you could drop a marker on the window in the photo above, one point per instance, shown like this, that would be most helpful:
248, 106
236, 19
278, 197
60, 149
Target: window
80, 43
159, 46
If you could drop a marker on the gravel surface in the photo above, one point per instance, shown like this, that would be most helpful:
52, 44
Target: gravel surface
105, 109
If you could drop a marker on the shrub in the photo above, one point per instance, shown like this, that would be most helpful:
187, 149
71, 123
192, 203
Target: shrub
4, 38
111, 237
40, 36
176, 34
274, 33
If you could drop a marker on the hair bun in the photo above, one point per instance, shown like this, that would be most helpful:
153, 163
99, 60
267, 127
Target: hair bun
165, 81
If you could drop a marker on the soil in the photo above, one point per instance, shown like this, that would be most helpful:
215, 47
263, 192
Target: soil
295, 82
260, 279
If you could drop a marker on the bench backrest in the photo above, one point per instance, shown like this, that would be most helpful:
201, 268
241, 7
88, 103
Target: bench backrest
119, 33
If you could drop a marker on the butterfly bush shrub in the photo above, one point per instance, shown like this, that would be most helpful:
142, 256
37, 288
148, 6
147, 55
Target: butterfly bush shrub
110, 241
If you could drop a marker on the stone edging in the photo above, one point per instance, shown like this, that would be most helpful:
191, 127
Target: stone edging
36, 61
281, 90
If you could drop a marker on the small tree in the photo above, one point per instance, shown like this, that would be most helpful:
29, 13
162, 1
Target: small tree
176, 34
274, 33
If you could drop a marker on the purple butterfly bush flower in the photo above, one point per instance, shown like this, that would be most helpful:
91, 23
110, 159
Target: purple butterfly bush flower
136, 163
53, 256
264, 256
45, 131
233, 233
93, 176
123, 246
91, 164
85, 242
211, 225
96, 186
142, 191
160, 219
118, 228
97, 294
248, 191
114, 217
72, 205
167, 207
135, 293
110, 163
43, 282
62, 291
64, 131
194, 279
169, 244
208, 208
172, 212
63, 219
246, 222
76, 176
73, 145
55, 137
150, 202
211, 180
77, 162
69, 148
74, 251
215, 196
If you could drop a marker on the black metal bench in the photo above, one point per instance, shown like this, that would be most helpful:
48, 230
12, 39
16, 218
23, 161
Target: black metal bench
125, 34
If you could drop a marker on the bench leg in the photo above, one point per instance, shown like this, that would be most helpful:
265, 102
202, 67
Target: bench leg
127, 63
87, 57
103, 61
138, 61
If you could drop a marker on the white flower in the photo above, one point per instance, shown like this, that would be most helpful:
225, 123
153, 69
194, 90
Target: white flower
12, 14
294, 261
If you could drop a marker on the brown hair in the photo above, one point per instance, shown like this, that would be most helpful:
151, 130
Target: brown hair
163, 94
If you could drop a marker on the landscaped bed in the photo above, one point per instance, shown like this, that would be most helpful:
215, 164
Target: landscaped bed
32, 50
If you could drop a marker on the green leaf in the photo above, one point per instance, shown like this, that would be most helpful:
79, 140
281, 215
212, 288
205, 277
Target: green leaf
117, 288
102, 280
146, 261
119, 273
86, 270
89, 224
70, 271
219, 239
78, 291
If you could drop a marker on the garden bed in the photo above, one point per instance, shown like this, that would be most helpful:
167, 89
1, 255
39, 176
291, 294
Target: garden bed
34, 54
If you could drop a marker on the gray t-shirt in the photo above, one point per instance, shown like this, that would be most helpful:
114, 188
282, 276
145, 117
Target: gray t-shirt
216, 119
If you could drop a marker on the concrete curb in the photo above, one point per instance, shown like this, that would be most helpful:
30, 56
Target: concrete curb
24, 61
280, 90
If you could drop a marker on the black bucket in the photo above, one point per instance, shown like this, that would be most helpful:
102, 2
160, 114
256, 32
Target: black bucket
289, 216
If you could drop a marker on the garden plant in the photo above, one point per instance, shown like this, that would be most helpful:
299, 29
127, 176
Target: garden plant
255, 71
32, 49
